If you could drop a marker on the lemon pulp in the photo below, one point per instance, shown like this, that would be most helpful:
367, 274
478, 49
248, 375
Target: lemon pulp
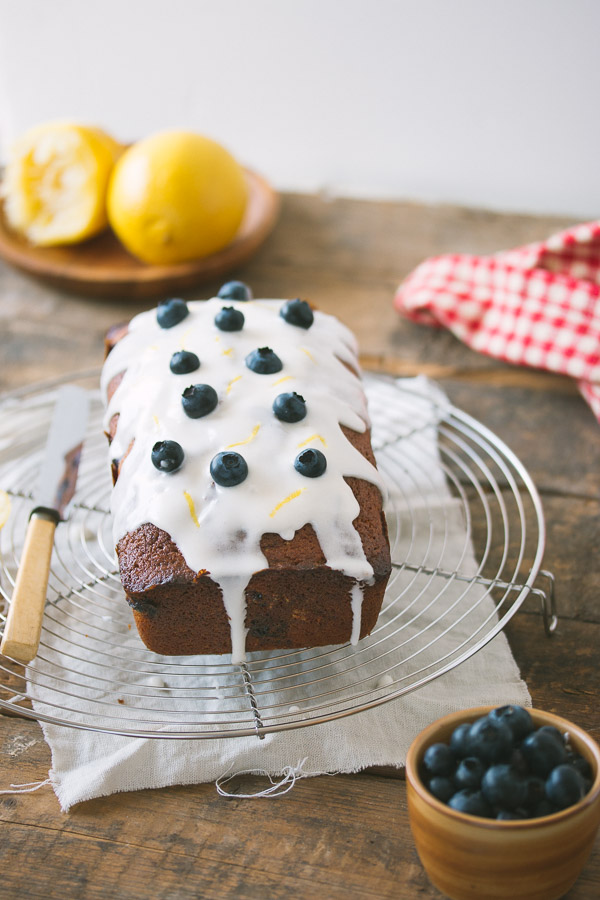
56, 180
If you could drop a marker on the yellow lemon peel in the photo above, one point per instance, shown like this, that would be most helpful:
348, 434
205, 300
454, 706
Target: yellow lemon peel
287, 500
247, 441
281, 380
313, 437
176, 196
192, 507
309, 354
232, 382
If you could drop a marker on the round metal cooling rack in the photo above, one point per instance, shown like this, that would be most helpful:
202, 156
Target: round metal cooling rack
453, 486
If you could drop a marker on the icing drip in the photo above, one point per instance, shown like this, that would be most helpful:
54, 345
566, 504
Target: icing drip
356, 598
218, 529
233, 589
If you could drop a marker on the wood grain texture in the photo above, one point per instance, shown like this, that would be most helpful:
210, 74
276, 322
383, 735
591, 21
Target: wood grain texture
329, 837
347, 256
343, 836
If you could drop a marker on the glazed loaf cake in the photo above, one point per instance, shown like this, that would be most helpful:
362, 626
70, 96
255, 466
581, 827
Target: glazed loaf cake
247, 508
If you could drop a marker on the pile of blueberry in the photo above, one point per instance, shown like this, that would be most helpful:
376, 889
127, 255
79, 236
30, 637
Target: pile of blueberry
502, 767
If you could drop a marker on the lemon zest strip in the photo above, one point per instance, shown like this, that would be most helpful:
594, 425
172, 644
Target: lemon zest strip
247, 441
232, 382
309, 354
228, 352
312, 438
287, 500
285, 378
192, 507
156, 422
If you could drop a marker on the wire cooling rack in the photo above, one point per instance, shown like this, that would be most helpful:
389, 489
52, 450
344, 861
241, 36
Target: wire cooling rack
467, 538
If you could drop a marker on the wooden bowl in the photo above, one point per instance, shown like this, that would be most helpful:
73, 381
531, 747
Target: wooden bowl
471, 858
102, 267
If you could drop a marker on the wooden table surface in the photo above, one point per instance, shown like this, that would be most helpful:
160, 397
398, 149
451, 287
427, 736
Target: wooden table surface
343, 836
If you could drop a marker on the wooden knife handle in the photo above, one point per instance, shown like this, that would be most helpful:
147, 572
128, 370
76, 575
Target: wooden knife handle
24, 622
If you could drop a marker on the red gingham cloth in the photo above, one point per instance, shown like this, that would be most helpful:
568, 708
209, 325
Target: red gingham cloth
538, 305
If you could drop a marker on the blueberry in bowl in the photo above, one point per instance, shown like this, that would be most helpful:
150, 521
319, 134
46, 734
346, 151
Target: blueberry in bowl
517, 808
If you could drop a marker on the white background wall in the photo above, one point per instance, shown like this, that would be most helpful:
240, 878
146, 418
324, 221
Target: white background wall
491, 103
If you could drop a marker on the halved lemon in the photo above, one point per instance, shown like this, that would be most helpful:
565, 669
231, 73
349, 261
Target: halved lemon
56, 180
176, 196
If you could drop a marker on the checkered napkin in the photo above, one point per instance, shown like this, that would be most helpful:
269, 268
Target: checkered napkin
537, 305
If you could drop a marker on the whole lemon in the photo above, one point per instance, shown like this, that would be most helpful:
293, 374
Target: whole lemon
56, 180
176, 196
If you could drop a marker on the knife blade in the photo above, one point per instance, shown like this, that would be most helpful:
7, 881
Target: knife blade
52, 496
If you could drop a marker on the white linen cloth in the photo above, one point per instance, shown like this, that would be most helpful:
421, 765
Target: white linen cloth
87, 764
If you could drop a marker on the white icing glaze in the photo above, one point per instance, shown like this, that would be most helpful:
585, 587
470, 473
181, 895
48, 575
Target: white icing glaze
356, 597
216, 528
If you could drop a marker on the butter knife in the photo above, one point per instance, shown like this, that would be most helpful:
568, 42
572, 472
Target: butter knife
53, 494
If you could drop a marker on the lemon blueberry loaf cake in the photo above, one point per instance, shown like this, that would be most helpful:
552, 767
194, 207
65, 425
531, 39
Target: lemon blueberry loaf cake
247, 508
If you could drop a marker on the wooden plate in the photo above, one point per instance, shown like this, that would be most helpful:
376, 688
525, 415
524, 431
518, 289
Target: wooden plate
102, 267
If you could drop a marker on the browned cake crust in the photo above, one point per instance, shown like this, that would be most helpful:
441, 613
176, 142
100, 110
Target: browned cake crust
297, 602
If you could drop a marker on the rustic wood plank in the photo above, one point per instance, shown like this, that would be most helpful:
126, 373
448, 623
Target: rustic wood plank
95, 868
387, 239
553, 432
341, 836
562, 671
311, 842
572, 540
490, 373
327, 837
544, 662
572, 554
346, 255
